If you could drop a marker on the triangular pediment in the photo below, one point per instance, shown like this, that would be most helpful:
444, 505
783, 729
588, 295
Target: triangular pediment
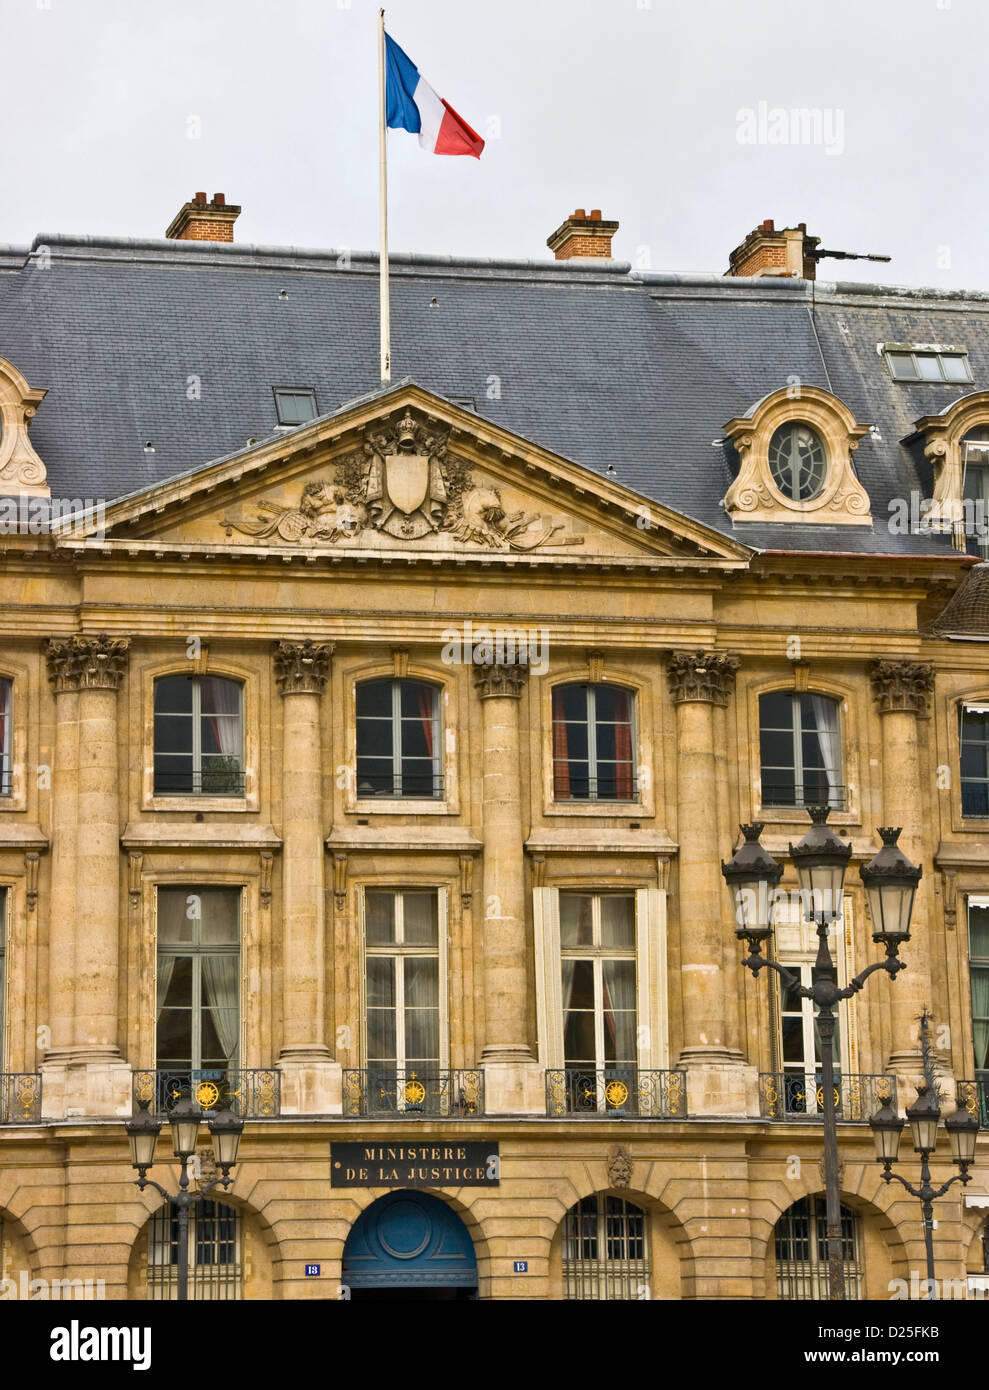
406, 473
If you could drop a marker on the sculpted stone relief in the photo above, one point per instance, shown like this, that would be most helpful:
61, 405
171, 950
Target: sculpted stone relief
402, 484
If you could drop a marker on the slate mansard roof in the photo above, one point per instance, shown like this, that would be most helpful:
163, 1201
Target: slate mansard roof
602, 364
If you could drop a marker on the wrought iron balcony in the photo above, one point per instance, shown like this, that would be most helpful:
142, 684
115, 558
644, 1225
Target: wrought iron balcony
20, 1097
779, 794
253, 1095
793, 1095
617, 1092
219, 776
6, 782
435, 1094
974, 1095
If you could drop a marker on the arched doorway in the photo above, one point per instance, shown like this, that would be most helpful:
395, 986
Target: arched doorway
409, 1245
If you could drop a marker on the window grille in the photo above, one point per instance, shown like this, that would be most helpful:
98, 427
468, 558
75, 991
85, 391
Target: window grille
605, 1253
802, 1256
216, 1267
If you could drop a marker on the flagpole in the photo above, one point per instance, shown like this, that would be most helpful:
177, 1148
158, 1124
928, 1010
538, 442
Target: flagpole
383, 207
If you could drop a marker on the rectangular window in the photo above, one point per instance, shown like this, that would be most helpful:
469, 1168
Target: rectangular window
800, 1043
403, 983
5, 738
198, 1018
910, 363
214, 1260
978, 947
974, 745
199, 736
398, 739
593, 739
800, 750
3, 975
295, 405
597, 950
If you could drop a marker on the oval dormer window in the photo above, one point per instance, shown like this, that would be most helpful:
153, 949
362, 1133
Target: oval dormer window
797, 461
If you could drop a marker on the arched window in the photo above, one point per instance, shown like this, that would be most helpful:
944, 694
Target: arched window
802, 1256
398, 739
215, 1252
5, 738
800, 750
605, 1252
593, 742
199, 736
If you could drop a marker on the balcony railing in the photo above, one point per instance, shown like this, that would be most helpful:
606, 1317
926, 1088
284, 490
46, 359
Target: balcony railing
779, 794
434, 1094
411, 786
253, 1095
20, 1097
974, 1095
794, 1095
618, 1092
221, 776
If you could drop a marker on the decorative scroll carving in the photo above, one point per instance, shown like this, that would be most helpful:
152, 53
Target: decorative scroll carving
466, 880
340, 881
21, 469
301, 668
902, 686
266, 859
619, 1167
707, 676
31, 859
500, 678
87, 663
135, 864
949, 898
401, 484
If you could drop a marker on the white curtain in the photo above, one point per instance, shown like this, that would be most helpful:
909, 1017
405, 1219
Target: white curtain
166, 969
422, 998
826, 719
619, 1006
221, 997
4, 733
222, 697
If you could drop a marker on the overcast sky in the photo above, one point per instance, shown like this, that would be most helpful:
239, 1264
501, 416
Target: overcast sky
689, 123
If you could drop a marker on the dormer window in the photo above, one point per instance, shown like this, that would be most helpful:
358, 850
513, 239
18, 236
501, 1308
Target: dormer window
908, 362
975, 491
797, 461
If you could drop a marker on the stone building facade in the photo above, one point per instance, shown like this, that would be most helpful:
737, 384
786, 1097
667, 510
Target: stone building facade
377, 773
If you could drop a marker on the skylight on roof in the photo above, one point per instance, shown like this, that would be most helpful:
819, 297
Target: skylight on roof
295, 405
927, 362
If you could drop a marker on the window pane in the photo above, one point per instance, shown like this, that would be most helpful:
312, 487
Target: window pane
618, 1003
617, 920
570, 702
173, 733
955, 368
582, 990
295, 407
379, 918
421, 918
578, 1040
177, 908
978, 933
381, 982
374, 699
901, 365
928, 366
575, 919
173, 695
381, 1044
776, 710
613, 704
220, 923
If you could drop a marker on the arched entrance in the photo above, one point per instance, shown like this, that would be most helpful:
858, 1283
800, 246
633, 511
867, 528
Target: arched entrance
409, 1245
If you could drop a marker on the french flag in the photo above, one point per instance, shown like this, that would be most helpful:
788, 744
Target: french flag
411, 104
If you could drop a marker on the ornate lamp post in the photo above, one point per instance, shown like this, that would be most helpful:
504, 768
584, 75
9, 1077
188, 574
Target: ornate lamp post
923, 1117
185, 1118
821, 860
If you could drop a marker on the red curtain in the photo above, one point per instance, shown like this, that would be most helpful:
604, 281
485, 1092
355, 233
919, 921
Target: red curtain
426, 707
561, 755
623, 749
4, 723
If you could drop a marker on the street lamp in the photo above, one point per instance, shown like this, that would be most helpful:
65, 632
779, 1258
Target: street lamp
225, 1130
923, 1117
821, 860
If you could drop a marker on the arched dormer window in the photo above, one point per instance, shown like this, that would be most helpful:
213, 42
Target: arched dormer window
956, 441
800, 750
398, 739
593, 743
795, 461
199, 736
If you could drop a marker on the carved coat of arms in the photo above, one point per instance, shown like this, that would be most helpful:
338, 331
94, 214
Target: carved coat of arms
403, 484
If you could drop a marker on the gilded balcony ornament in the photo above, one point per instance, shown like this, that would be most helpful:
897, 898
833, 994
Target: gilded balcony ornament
902, 686
703, 676
500, 678
302, 668
87, 663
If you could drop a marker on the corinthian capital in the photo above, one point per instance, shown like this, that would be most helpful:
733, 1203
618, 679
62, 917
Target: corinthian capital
87, 663
500, 678
902, 686
301, 668
706, 676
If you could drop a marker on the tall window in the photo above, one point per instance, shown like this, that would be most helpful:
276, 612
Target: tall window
398, 739
215, 1263
403, 985
975, 491
604, 1250
978, 948
3, 977
974, 741
593, 738
198, 980
597, 948
800, 1044
800, 750
199, 736
801, 1251
5, 738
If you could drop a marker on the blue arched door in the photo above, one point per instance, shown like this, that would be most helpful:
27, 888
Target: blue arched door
409, 1245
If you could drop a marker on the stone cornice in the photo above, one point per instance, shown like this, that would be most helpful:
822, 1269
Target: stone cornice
902, 686
302, 668
87, 663
700, 675
500, 678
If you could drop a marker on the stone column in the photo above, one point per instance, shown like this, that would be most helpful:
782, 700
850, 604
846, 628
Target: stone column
89, 1075
902, 690
512, 1080
311, 1078
716, 1083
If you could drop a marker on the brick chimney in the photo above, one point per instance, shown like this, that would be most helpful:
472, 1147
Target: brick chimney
766, 251
581, 236
202, 221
